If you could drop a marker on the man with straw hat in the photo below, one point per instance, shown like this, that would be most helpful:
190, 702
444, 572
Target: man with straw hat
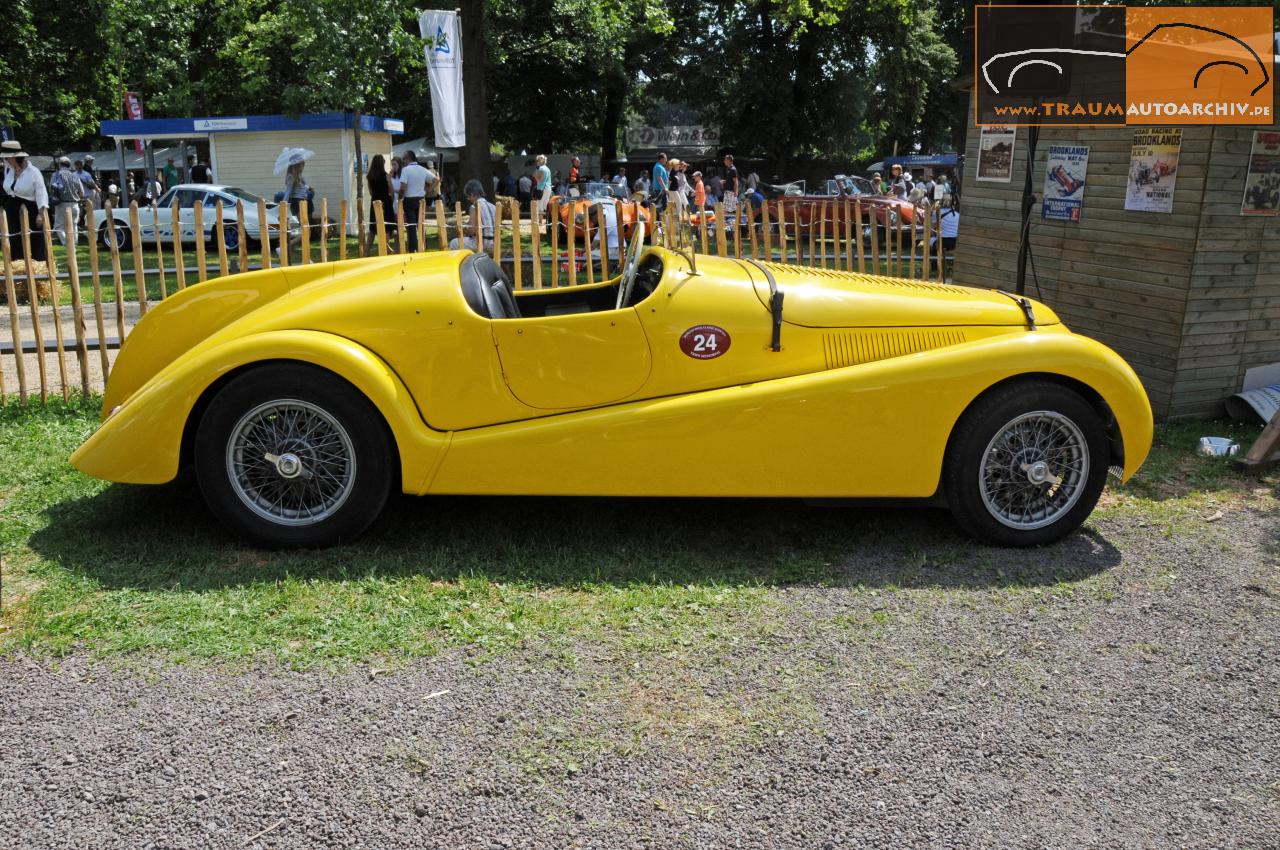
24, 189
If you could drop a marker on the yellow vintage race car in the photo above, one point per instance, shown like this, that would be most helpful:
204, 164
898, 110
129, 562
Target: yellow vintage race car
302, 397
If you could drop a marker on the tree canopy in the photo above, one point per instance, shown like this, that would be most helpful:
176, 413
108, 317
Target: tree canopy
783, 79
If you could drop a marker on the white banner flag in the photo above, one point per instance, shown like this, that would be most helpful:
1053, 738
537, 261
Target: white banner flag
442, 32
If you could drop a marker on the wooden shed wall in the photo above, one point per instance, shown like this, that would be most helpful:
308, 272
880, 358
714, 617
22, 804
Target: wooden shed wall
1189, 298
1232, 317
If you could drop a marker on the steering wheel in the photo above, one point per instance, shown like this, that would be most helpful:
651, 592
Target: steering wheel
631, 265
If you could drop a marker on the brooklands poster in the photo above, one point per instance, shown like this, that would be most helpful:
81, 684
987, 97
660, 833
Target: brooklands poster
1064, 182
1262, 183
995, 153
1153, 169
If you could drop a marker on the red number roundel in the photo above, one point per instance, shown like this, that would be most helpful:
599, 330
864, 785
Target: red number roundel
705, 342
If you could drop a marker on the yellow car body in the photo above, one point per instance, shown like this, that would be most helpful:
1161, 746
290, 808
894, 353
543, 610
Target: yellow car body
856, 396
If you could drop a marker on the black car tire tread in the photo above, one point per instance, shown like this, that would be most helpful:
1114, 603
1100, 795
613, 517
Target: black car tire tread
375, 459
973, 433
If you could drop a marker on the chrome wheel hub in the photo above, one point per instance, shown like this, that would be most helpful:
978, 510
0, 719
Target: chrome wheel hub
1034, 470
291, 462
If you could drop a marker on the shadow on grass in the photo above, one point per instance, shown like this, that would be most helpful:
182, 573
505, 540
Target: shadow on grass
164, 538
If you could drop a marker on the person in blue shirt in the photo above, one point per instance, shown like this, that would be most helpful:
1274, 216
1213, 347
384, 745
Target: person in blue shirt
661, 182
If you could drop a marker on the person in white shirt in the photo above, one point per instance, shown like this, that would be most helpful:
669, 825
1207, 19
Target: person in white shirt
70, 192
948, 225
481, 211
25, 189
413, 192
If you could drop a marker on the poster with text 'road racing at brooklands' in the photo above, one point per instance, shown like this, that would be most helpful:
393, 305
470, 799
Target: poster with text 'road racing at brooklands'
1153, 169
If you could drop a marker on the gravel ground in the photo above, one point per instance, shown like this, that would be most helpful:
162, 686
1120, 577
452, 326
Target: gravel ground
1138, 708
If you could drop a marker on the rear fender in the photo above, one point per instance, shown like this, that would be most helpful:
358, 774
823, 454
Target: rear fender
141, 442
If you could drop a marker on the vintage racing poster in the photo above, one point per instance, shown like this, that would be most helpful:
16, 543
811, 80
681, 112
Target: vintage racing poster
1064, 182
995, 153
1153, 169
1262, 182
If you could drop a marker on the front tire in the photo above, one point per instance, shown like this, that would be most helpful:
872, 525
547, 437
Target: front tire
289, 455
1026, 464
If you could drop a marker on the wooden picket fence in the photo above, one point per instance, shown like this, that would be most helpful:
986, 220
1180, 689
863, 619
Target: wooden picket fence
81, 337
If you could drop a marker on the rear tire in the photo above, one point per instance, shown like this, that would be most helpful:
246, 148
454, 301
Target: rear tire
1026, 464
119, 231
289, 455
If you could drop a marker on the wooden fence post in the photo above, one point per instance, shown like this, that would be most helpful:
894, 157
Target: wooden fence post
264, 235
33, 299
782, 233
737, 228
535, 243
586, 242
242, 238
722, 231
857, 234
401, 234
765, 228
875, 239
422, 225
497, 232
324, 230
821, 208
197, 216
571, 246
553, 217
155, 221
11, 294
517, 251
55, 291
282, 234
220, 237
116, 277
848, 236
179, 261
304, 228
442, 231
343, 210
77, 304
380, 226
928, 243
139, 267
457, 221
98, 306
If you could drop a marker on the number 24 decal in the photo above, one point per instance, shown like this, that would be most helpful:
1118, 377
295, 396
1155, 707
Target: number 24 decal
705, 342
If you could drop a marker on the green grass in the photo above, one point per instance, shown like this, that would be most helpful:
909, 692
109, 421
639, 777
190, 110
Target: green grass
115, 569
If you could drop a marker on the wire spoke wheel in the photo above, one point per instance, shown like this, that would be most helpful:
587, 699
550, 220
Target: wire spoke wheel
1034, 470
291, 462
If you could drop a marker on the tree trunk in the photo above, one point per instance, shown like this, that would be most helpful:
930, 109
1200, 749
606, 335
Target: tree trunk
475, 157
360, 228
615, 99
801, 93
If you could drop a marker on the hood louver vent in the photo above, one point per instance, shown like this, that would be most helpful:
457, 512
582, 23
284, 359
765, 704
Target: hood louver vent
857, 277
853, 347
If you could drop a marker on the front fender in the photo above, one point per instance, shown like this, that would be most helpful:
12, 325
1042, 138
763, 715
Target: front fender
141, 442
